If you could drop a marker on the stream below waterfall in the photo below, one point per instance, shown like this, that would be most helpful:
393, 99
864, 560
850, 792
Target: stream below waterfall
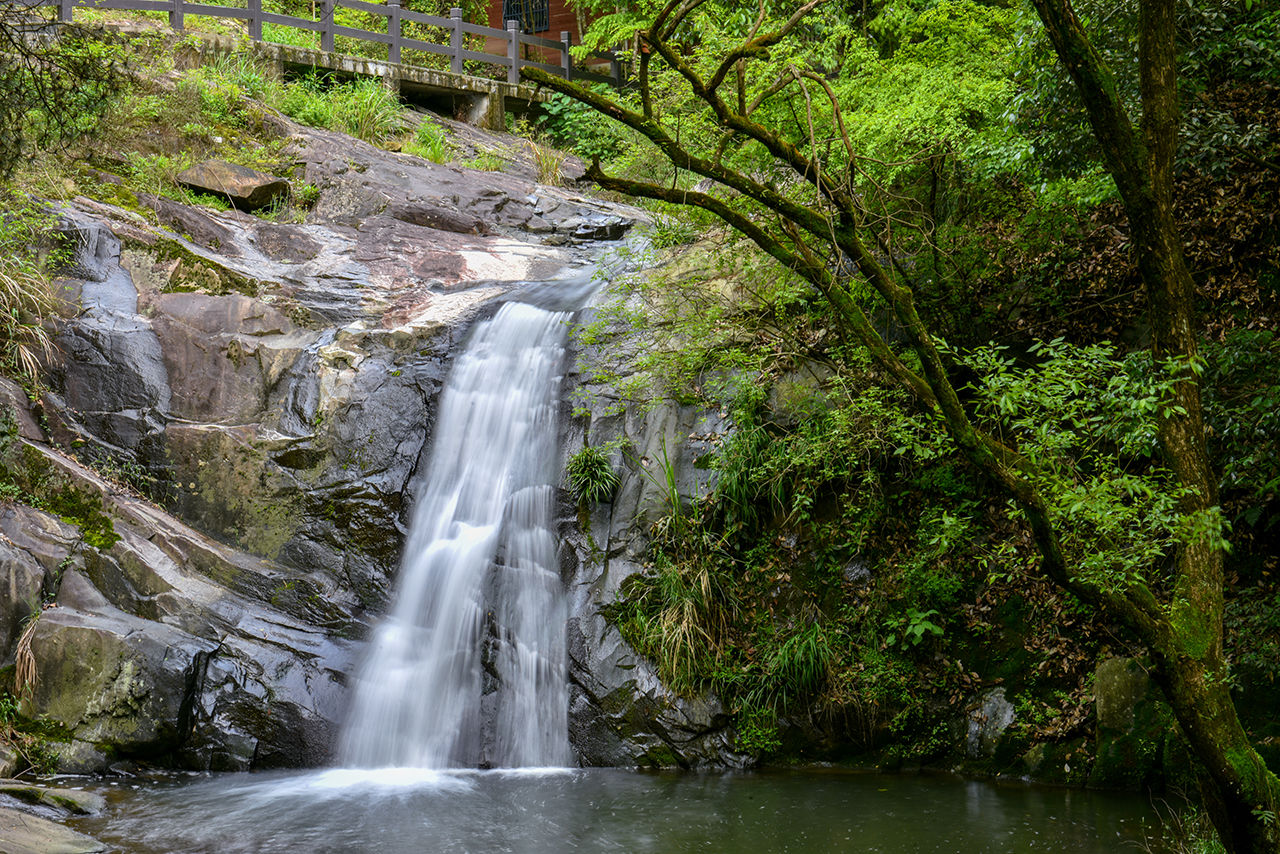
533, 811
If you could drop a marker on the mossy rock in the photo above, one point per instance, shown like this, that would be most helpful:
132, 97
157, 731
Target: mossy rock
1133, 725
226, 485
28, 476
1063, 763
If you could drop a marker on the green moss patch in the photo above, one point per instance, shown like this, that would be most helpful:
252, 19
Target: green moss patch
27, 476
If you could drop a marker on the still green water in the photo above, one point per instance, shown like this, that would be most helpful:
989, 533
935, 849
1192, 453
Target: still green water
600, 810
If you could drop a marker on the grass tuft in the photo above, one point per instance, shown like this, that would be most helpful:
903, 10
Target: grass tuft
429, 142
591, 476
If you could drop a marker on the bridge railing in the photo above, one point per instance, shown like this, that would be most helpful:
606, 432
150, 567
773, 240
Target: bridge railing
325, 24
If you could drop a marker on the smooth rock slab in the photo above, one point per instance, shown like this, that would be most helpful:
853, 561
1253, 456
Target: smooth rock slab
23, 833
246, 189
70, 800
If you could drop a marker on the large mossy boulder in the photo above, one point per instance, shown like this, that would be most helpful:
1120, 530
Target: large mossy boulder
1133, 725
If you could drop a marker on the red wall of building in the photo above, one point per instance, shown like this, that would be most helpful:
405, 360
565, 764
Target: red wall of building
563, 19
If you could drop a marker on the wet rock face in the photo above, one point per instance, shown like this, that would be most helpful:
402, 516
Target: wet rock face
619, 711
277, 380
171, 648
988, 718
274, 385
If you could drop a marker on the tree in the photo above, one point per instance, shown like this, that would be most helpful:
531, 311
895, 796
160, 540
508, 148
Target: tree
54, 81
759, 116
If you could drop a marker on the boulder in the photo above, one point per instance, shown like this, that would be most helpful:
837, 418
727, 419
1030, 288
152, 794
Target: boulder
10, 760
1133, 725
598, 227
988, 718
24, 833
246, 189
73, 801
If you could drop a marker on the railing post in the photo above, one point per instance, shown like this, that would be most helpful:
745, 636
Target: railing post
615, 69
175, 17
255, 20
393, 30
566, 41
66, 10
326, 25
513, 52
455, 40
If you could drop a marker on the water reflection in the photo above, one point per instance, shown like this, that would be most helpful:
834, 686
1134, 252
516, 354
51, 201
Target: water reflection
554, 810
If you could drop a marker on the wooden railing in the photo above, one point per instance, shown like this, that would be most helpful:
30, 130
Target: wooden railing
393, 38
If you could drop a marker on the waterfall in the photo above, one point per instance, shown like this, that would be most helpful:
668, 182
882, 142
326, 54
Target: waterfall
469, 668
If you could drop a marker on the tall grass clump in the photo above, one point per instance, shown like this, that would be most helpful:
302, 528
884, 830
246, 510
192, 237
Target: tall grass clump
591, 476
27, 299
366, 109
245, 74
362, 108
548, 161
429, 142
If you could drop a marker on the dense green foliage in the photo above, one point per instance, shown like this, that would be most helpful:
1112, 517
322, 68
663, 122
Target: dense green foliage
851, 569
49, 92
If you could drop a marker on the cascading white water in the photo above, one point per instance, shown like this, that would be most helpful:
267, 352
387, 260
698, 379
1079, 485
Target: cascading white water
469, 668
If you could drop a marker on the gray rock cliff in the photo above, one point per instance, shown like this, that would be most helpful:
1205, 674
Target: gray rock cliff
270, 387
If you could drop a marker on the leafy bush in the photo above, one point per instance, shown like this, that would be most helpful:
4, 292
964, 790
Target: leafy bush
758, 731
915, 626
1085, 421
581, 129
305, 101
1242, 405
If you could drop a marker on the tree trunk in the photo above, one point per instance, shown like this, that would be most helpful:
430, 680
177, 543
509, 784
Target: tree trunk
1240, 793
